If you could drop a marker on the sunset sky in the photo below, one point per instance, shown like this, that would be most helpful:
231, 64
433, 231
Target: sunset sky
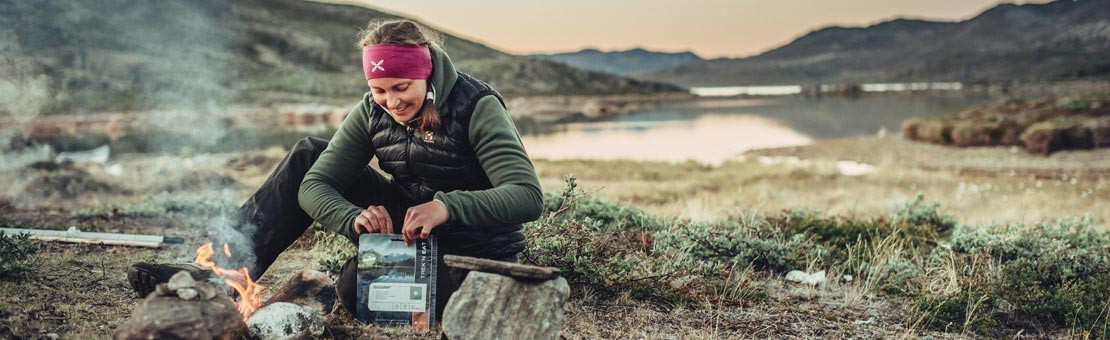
710, 28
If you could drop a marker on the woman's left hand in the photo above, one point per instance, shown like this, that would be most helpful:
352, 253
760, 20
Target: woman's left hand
421, 219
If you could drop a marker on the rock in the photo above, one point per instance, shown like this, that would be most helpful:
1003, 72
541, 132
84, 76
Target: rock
206, 291
503, 268
852, 168
309, 288
806, 278
285, 321
180, 280
186, 293
163, 315
492, 306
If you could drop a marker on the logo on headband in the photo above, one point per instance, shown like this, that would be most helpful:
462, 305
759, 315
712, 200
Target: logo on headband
377, 65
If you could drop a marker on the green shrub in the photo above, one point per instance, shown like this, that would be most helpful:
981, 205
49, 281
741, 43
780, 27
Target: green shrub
919, 223
1048, 274
17, 254
988, 281
752, 242
607, 216
925, 221
334, 249
609, 249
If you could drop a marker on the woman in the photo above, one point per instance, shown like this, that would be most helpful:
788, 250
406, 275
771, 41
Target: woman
459, 170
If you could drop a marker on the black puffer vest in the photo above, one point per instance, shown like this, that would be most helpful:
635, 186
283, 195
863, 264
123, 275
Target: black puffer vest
444, 160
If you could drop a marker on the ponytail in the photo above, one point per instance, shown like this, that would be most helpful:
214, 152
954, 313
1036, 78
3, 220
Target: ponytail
430, 117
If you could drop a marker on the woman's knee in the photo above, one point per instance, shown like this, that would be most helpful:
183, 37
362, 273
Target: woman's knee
310, 145
304, 153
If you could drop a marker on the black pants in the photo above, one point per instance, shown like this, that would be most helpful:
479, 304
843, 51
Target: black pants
273, 219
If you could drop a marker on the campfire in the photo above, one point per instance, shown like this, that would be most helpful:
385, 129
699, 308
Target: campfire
250, 293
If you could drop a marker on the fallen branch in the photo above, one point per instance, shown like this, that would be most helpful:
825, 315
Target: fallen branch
76, 236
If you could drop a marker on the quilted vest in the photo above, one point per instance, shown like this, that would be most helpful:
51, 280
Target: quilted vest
443, 160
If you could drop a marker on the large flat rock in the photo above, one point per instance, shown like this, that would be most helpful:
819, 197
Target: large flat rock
492, 306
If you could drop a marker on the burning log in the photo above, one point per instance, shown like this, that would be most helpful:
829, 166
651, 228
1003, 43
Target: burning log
250, 293
309, 288
184, 309
491, 305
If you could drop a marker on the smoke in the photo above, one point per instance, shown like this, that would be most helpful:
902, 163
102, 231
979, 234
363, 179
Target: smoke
185, 84
24, 92
188, 93
168, 65
234, 231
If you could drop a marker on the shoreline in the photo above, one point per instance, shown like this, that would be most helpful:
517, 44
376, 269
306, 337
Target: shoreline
532, 114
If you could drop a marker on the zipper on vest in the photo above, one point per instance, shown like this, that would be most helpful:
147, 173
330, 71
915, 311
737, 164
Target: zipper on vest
408, 157
408, 149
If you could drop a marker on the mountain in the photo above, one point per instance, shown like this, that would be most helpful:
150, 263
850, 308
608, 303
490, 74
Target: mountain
98, 55
1060, 40
620, 62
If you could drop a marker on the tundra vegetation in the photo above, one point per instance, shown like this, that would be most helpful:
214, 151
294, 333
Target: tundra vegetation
1040, 126
979, 242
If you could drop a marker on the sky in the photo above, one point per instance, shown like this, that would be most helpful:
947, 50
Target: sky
710, 28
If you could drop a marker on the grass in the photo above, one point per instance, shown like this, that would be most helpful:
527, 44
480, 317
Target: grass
984, 185
983, 281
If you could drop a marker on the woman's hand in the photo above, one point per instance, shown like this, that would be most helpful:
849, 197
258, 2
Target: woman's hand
421, 219
373, 219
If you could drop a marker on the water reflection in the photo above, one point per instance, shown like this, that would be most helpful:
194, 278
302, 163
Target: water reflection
707, 138
714, 130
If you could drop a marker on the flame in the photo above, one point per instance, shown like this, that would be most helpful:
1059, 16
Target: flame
250, 293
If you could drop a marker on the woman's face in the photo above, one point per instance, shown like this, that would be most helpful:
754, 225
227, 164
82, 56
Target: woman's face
401, 96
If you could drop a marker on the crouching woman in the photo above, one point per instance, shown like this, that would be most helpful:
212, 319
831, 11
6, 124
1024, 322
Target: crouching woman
458, 168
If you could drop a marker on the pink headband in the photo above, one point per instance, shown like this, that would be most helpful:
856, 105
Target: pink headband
396, 61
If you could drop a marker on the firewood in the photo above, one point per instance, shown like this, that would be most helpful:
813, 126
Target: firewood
504, 268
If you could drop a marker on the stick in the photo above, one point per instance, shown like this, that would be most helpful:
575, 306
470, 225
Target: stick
76, 236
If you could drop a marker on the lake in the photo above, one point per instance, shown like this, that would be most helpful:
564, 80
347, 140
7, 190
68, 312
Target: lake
712, 130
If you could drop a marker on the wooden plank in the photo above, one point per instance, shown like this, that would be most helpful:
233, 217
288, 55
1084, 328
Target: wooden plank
504, 268
76, 236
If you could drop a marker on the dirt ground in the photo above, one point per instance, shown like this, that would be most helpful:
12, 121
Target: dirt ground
80, 291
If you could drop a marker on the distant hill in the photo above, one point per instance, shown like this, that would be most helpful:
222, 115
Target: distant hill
620, 62
99, 55
1053, 41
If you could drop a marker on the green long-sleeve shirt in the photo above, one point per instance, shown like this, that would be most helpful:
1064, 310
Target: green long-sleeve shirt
514, 198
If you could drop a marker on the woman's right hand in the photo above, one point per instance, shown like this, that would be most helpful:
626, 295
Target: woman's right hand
373, 219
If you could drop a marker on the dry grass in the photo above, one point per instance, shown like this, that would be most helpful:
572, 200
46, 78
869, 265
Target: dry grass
978, 185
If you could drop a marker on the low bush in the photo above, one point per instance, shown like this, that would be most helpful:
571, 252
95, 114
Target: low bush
17, 254
984, 280
608, 248
1045, 276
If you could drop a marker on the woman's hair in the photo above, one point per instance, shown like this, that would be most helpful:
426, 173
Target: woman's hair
404, 32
